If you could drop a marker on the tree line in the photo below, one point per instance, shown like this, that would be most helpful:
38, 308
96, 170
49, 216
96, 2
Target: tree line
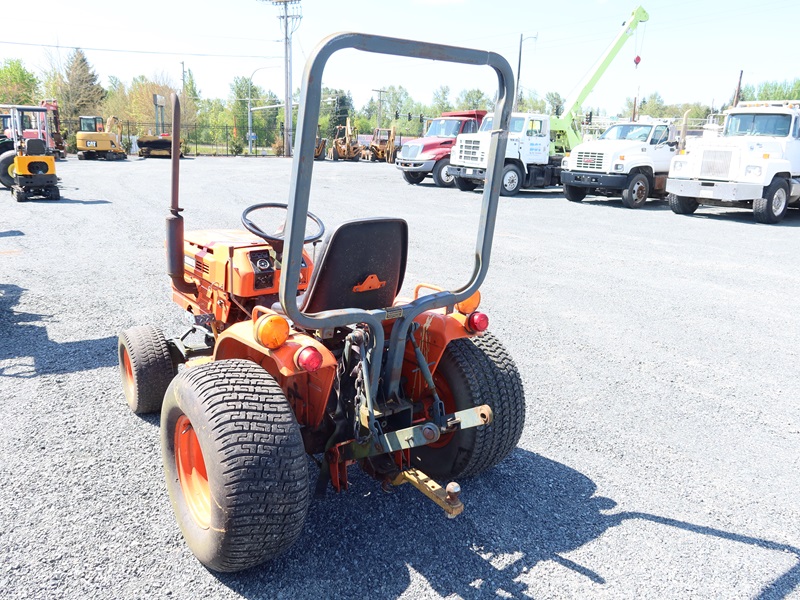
76, 87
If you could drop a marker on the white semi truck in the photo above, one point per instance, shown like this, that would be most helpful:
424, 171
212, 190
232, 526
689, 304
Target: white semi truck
536, 142
630, 160
755, 163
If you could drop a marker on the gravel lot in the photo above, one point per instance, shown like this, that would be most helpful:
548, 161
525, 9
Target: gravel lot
659, 355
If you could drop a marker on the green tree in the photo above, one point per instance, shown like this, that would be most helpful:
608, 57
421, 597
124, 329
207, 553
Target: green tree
441, 100
555, 103
17, 84
79, 92
473, 99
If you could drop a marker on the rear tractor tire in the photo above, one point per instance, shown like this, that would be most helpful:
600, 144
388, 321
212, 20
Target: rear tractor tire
146, 367
7, 170
682, 205
235, 464
635, 195
473, 372
772, 207
573, 193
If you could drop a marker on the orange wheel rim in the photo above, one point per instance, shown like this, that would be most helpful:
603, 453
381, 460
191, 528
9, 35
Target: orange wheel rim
192, 472
127, 375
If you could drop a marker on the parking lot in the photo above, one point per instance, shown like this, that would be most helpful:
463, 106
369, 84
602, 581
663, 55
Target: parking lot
659, 353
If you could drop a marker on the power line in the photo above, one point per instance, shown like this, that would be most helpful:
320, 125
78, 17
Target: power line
157, 52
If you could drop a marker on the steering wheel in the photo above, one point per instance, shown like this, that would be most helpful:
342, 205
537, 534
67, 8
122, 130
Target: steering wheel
277, 238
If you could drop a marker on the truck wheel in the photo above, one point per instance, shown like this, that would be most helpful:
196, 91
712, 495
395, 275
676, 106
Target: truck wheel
682, 205
440, 175
772, 207
472, 372
7, 171
146, 367
235, 464
635, 195
412, 177
573, 193
512, 180
53, 193
464, 184
19, 194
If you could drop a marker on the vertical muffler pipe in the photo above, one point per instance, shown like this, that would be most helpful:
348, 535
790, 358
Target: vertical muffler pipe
175, 257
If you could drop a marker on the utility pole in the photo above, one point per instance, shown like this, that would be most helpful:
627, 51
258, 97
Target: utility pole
380, 104
291, 21
535, 38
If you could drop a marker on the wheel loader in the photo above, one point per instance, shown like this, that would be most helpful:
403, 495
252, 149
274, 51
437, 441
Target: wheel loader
98, 140
294, 356
345, 144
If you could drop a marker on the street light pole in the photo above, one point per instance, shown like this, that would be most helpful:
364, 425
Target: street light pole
519, 66
250, 109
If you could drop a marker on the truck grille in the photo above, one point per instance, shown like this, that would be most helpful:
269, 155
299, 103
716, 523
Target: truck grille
589, 161
716, 164
409, 151
470, 151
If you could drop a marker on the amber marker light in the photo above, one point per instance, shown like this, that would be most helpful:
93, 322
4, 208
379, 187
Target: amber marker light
470, 305
272, 331
309, 359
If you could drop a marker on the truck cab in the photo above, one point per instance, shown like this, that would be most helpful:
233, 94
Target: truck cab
629, 160
754, 164
528, 161
430, 155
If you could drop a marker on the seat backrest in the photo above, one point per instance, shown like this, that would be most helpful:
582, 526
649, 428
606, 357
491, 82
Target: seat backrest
362, 265
35, 147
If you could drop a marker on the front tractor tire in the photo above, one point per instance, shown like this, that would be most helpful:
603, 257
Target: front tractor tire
512, 180
475, 371
235, 464
635, 195
682, 205
146, 367
7, 170
464, 184
573, 193
440, 175
413, 177
772, 207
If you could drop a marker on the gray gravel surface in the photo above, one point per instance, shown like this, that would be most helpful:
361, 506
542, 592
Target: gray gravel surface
659, 355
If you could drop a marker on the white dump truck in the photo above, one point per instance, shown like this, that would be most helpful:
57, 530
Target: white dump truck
630, 160
755, 163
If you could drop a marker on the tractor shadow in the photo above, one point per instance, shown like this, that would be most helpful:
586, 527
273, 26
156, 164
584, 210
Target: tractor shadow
11, 233
366, 540
26, 351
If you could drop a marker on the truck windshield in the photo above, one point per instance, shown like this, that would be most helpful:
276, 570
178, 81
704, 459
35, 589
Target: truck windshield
758, 124
635, 132
443, 128
516, 125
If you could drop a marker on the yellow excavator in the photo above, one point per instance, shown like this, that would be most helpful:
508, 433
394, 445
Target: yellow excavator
98, 140
345, 145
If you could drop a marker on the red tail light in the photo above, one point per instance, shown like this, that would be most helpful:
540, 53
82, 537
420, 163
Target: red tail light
478, 321
309, 359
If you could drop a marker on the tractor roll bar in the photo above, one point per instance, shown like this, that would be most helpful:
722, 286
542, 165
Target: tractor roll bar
175, 255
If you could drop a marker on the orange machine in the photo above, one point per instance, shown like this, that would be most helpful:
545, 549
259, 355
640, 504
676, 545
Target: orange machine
318, 355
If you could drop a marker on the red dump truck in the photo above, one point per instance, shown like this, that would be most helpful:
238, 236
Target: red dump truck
430, 155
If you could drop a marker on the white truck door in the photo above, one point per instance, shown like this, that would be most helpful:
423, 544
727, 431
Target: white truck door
535, 142
659, 151
793, 147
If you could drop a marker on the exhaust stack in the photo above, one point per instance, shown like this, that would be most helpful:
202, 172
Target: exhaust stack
175, 220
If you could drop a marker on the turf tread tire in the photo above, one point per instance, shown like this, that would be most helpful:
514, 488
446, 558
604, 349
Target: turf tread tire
151, 367
483, 368
6, 162
255, 460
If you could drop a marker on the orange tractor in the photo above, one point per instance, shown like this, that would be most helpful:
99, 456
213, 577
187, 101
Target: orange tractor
319, 357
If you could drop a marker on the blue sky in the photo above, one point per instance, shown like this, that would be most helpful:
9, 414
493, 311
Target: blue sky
691, 50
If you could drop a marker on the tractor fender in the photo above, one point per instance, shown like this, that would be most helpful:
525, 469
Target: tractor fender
436, 330
306, 392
